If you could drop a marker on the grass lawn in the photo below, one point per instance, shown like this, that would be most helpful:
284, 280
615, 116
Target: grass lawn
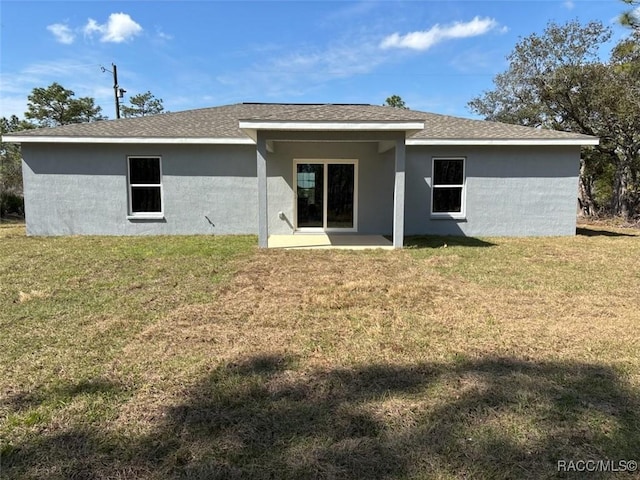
204, 357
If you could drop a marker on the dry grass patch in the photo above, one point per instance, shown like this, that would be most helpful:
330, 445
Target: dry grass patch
489, 358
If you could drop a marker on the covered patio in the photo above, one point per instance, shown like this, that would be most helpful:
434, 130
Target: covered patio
315, 126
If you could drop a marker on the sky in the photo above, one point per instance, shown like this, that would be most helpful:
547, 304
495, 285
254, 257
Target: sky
436, 54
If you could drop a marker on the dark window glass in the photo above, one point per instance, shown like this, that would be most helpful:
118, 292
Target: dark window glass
448, 172
448, 199
340, 183
145, 199
144, 171
310, 184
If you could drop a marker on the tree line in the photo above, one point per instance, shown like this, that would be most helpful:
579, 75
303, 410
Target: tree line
51, 107
557, 80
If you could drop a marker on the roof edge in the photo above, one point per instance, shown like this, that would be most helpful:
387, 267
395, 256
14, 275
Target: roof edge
396, 125
251, 127
129, 140
504, 142
249, 141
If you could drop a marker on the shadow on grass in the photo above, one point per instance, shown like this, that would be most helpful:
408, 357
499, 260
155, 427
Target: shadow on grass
434, 241
18, 401
594, 232
260, 417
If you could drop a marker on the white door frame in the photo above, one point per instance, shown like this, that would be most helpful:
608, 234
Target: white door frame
325, 162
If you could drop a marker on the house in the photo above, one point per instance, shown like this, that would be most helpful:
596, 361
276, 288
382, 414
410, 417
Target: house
283, 168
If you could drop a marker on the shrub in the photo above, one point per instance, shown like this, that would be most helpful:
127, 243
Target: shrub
11, 204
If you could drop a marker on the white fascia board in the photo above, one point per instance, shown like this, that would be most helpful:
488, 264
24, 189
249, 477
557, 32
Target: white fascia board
332, 126
539, 141
128, 140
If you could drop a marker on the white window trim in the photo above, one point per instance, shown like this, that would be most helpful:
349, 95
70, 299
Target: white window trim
461, 215
325, 163
131, 215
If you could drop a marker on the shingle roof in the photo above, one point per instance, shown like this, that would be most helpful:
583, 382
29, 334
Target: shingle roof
446, 127
223, 122
339, 113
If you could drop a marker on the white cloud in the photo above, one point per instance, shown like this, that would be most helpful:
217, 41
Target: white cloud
297, 73
120, 27
62, 33
92, 27
162, 36
81, 74
568, 4
425, 39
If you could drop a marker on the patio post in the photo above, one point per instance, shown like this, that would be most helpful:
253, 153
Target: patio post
398, 194
261, 157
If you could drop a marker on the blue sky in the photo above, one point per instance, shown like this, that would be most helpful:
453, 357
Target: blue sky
437, 55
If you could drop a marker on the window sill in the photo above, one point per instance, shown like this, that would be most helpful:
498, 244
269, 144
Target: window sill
159, 217
460, 217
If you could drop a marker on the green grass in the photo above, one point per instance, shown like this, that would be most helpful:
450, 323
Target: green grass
204, 357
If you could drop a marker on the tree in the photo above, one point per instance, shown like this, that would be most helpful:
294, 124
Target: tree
141, 105
55, 105
631, 17
11, 168
557, 81
396, 102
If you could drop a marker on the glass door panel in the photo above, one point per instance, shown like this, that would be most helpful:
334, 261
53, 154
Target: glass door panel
340, 186
310, 194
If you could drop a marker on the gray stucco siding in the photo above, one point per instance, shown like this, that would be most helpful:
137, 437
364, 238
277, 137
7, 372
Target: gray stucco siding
82, 189
375, 182
510, 191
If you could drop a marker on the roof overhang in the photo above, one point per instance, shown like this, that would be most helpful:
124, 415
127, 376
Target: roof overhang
252, 140
128, 140
504, 142
251, 127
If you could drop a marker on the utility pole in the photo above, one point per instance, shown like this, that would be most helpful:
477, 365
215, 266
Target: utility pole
115, 89
118, 92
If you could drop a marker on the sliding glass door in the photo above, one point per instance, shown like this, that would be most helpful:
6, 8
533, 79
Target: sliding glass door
310, 194
340, 189
326, 195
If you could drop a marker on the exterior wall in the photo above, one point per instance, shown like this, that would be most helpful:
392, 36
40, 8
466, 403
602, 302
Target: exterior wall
82, 189
375, 182
510, 191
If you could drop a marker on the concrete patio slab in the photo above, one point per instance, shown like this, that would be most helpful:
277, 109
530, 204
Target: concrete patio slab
324, 240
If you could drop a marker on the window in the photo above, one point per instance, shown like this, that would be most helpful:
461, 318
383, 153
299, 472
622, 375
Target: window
145, 187
447, 187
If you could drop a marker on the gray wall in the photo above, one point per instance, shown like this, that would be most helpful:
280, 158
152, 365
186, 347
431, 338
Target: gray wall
375, 182
82, 189
510, 191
